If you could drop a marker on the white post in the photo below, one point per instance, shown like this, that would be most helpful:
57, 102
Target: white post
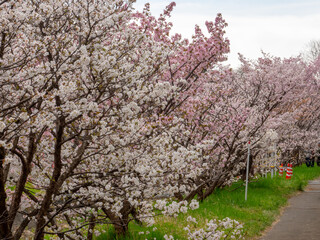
247, 171
275, 160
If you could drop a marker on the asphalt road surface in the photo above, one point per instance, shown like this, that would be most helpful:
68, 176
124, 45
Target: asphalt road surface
301, 219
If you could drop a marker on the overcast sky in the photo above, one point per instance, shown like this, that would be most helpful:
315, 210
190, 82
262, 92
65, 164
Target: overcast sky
280, 27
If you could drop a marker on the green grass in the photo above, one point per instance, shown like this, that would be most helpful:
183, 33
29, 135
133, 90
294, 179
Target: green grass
266, 197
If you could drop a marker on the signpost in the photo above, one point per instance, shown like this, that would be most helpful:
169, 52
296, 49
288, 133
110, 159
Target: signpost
247, 171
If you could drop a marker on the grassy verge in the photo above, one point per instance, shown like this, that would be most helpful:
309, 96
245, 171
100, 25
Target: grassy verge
266, 197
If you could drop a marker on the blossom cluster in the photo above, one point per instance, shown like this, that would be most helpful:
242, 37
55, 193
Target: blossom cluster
216, 230
104, 111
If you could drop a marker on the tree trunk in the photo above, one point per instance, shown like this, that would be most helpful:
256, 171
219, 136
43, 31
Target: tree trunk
121, 225
91, 227
5, 231
45, 205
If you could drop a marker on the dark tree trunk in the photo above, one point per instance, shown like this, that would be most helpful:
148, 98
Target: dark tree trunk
25, 171
121, 225
91, 228
52, 188
5, 231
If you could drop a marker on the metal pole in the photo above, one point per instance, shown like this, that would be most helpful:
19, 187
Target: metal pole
275, 160
247, 171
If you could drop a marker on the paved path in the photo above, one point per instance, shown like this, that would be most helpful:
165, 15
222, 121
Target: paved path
301, 219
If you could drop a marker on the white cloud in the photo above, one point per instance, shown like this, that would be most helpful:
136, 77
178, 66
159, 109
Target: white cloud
282, 36
280, 28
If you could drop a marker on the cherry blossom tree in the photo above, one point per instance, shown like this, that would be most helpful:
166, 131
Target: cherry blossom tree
312, 51
88, 94
300, 129
104, 112
263, 95
276, 89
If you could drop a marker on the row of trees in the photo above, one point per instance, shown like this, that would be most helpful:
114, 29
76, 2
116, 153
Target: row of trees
104, 110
